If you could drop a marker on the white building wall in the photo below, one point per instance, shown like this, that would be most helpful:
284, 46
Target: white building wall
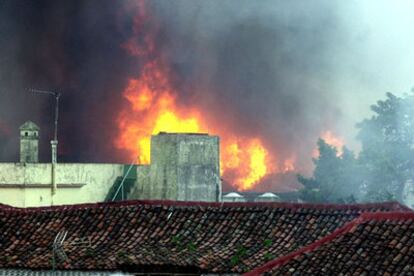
29, 184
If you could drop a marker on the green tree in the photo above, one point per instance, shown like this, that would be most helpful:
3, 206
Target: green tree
336, 179
387, 153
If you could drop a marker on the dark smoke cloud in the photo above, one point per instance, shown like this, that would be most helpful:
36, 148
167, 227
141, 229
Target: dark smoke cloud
286, 70
266, 66
67, 46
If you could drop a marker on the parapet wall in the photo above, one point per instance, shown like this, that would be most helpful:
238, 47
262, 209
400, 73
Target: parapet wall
30, 184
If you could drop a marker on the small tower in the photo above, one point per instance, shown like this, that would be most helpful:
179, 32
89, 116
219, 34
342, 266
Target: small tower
29, 143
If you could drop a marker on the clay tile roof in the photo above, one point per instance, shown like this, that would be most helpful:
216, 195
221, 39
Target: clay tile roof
372, 244
168, 236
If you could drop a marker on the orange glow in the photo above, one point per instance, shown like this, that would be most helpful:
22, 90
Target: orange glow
232, 153
289, 165
243, 160
141, 101
334, 141
257, 165
152, 107
331, 139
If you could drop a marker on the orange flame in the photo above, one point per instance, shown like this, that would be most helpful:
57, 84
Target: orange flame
152, 107
152, 110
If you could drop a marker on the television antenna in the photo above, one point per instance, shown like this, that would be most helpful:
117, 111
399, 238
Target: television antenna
59, 245
54, 142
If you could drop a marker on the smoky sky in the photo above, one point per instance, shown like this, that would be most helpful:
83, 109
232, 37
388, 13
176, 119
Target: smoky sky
72, 47
284, 70
266, 67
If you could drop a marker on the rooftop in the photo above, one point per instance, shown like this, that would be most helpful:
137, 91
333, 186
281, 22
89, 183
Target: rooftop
182, 133
29, 125
374, 243
169, 236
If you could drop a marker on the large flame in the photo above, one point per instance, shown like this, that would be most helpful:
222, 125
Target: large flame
152, 107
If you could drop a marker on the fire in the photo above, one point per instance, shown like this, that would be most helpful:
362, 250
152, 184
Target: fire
244, 161
152, 107
152, 110
257, 165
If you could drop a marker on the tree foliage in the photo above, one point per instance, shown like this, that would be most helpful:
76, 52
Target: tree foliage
334, 178
387, 140
383, 167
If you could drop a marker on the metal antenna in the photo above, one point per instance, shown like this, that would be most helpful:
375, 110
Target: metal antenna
58, 248
59, 244
55, 140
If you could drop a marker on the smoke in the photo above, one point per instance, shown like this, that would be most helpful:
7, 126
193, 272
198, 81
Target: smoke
284, 70
68, 46
287, 70
264, 66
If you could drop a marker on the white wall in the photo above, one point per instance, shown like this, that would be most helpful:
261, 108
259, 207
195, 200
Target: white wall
27, 185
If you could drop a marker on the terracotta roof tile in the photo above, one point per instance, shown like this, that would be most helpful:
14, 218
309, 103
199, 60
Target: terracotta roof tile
165, 235
374, 244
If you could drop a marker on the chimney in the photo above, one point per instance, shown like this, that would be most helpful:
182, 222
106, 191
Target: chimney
29, 143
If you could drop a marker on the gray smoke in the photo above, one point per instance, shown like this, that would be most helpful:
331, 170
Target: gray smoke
286, 70
68, 46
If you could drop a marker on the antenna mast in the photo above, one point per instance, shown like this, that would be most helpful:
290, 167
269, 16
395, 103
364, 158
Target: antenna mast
54, 142
59, 244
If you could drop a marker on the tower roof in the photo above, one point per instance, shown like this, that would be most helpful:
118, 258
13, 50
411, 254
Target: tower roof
29, 125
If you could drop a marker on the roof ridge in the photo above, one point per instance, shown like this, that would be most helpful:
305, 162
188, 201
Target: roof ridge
393, 205
310, 247
364, 217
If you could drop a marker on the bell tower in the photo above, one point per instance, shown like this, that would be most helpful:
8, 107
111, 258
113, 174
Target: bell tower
29, 143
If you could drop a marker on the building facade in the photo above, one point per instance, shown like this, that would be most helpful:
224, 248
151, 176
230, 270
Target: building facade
184, 167
30, 184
